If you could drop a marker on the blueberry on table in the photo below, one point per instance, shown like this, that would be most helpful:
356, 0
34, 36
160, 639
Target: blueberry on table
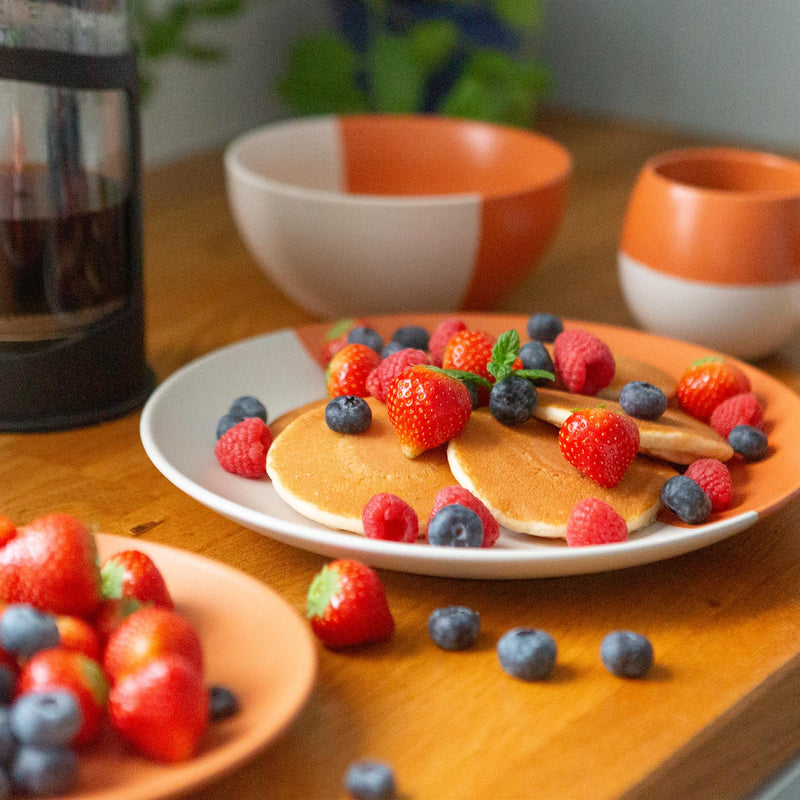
626, 654
527, 653
454, 627
370, 780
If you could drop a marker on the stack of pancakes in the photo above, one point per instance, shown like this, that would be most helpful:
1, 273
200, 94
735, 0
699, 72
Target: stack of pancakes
518, 472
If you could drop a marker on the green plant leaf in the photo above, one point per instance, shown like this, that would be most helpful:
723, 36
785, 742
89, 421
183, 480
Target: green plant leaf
321, 76
397, 80
523, 14
432, 43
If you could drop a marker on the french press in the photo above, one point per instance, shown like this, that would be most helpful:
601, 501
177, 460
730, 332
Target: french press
72, 335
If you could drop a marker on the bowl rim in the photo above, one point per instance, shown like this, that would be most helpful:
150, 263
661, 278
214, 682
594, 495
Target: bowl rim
234, 165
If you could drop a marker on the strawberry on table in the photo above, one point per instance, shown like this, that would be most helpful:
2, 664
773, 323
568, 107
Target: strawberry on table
62, 668
347, 605
426, 408
147, 634
707, 383
348, 370
133, 573
161, 709
599, 443
76, 633
52, 564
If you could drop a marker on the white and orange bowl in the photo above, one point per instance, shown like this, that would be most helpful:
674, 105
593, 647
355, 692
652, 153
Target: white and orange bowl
710, 249
376, 213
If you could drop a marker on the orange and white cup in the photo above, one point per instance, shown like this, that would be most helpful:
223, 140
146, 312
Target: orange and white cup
710, 249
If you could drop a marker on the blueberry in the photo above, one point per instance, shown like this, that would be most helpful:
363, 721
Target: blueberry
44, 771
534, 355
686, 499
455, 525
474, 394
626, 654
8, 743
348, 413
642, 400
368, 336
454, 627
222, 703
248, 406
527, 653
749, 442
46, 718
390, 348
25, 630
513, 400
225, 423
370, 780
544, 327
412, 336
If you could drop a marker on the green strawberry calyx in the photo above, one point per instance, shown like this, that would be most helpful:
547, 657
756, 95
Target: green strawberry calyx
339, 328
504, 354
323, 588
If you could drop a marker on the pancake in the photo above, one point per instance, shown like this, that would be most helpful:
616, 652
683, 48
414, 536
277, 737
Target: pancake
329, 477
631, 369
522, 477
674, 436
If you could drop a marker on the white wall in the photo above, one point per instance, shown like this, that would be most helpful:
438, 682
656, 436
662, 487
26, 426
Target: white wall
727, 68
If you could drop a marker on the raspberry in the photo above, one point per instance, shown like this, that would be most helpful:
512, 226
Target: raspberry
593, 521
381, 377
583, 362
441, 335
713, 477
741, 409
242, 449
462, 496
388, 517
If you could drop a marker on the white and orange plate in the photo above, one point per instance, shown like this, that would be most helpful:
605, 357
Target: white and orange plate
284, 370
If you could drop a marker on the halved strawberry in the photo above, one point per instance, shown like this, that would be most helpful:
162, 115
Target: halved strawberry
599, 443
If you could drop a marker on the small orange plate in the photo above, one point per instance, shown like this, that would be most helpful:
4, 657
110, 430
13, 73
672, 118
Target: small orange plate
253, 642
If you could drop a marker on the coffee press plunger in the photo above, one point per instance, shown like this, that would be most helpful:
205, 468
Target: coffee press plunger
71, 296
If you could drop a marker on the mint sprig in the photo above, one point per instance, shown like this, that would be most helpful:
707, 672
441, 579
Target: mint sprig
504, 354
462, 375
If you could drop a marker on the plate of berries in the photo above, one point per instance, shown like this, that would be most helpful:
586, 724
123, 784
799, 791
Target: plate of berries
170, 687
250, 397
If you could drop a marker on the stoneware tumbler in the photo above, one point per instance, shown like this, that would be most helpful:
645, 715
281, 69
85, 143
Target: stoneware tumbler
710, 249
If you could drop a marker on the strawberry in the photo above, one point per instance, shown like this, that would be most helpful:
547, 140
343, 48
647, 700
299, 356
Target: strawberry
52, 564
707, 383
349, 369
111, 613
161, 709
469, 351
600, 443
426, 408
592, 521
77, 634
62, 668
8, 530
133, 573
147, 634
347, 606
336, 336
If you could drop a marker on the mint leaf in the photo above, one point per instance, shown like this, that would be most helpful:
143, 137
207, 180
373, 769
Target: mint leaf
534, 374
462, 375
504, 353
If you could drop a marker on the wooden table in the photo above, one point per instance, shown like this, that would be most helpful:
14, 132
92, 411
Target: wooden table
719, 712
